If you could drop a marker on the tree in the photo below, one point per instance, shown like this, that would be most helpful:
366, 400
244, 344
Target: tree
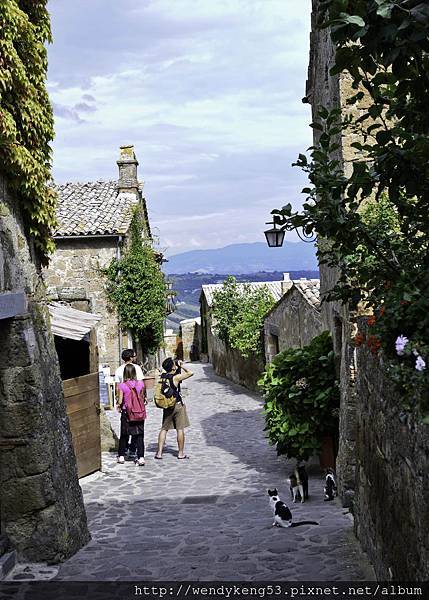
238, 311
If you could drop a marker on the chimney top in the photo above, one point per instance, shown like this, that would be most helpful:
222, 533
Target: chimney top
127, 152
127, 164
286, 277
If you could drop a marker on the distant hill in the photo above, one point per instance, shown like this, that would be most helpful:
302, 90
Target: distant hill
245, 258
188, 289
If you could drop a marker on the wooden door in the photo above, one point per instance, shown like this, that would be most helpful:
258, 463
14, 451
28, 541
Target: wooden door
83, 409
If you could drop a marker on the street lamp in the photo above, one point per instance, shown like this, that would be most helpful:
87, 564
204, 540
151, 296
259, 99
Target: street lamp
281, 224
274, 236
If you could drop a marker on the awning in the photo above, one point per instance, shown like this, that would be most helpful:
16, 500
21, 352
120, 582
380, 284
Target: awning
71, 323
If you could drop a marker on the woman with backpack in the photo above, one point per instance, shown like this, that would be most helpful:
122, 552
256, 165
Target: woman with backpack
132, 406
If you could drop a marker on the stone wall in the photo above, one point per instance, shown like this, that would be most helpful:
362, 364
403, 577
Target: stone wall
74, 275
332, 92
190, 333
42, 511
382, 462
292, 323
231, 364
392, 497
172, 345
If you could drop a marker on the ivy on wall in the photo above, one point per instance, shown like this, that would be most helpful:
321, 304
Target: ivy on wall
137, 288
26, 120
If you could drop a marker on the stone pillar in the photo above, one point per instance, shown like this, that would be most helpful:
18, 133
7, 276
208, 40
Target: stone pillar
42, 511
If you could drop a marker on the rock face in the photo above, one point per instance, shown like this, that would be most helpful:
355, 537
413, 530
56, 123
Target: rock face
42, 511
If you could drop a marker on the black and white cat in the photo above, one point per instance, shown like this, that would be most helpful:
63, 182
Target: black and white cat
330, 485
298, 482
281, 512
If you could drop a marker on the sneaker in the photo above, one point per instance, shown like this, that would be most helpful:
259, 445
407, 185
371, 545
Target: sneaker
120, 460
140, 462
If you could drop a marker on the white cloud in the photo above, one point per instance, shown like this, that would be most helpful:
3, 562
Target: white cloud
209, 93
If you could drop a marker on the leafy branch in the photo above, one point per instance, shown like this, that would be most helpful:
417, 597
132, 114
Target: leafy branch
384, 47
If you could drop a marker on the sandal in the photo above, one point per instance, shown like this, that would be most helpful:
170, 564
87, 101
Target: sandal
158, 457
183, 457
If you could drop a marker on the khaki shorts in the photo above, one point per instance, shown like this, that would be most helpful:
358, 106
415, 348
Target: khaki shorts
175, 418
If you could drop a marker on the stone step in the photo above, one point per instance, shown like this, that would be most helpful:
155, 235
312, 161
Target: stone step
7, 563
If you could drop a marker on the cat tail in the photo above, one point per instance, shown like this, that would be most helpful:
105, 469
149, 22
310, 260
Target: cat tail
304, 523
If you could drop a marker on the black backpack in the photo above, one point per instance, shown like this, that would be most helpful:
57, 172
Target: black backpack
166, 394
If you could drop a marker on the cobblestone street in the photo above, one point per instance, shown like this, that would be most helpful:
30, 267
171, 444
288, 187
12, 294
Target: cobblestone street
207, 518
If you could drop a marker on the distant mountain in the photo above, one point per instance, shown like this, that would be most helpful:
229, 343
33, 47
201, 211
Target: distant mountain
245, 258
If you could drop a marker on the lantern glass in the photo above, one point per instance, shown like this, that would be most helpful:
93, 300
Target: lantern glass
274, 237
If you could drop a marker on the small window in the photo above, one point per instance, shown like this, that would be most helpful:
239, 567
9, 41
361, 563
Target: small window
273, 345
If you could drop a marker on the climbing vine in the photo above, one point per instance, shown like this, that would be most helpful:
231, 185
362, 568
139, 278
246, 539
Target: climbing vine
137, 289
26, 120
381, 257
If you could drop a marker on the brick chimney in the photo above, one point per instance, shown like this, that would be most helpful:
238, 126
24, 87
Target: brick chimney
127, 164
286, 284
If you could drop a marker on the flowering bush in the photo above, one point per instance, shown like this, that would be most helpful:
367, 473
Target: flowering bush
301, 398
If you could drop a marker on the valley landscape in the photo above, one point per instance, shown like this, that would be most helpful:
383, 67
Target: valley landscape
189, 271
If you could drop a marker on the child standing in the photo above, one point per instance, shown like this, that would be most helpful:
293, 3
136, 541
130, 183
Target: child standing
132, 406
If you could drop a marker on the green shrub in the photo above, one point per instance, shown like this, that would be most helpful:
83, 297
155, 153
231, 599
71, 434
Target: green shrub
238, 311
301, 398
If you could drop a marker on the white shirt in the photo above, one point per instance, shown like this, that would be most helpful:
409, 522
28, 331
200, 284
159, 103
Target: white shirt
119, 373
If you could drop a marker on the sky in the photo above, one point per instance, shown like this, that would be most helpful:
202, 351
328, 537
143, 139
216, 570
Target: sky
208, 92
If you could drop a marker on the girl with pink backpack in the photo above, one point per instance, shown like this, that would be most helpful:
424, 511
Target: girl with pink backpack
132, 406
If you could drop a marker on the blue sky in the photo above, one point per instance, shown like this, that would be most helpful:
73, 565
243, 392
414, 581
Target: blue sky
209, 92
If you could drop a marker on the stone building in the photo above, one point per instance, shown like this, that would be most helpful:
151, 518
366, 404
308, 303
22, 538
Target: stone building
42, 516
94, 224
228, 362
295, 319
383, 461
190, 335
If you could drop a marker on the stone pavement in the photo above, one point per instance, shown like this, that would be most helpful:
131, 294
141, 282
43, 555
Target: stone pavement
207, 518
